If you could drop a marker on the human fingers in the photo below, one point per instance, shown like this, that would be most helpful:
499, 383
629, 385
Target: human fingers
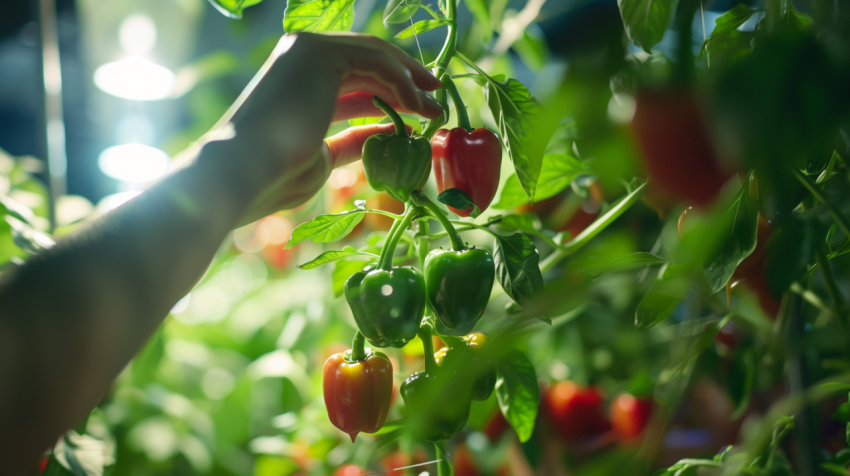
359, 104
421, 76
347, 146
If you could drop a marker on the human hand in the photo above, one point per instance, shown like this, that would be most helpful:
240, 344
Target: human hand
309, 81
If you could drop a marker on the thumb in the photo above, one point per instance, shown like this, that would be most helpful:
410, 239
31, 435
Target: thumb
347, 146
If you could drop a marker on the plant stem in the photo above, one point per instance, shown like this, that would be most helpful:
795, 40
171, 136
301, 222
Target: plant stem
427, 348
435, 124
834, 294
358, 347
387, 263
384, 213
452, 341
815, 191
594, 229
462, 116
400, 128
798, 382
450, 46
444, 467
423, 201
388, 239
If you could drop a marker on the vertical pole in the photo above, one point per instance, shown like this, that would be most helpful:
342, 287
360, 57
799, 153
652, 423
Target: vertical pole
57, 162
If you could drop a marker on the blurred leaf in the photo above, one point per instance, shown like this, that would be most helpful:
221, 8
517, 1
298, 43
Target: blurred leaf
318, 15
420, 27
145, 365
532, 49
646, 21
481, 13
233, 8
400, 11
843, 413
726, 43
740, 380
331, 256
391, 426
343, 270
627, 262
365, 121
517, 113
82, 455
457, 198
642, 384
325, 228
557, 172
517, 266
740, 225
515, 222
662, 298
28, 238
518, 393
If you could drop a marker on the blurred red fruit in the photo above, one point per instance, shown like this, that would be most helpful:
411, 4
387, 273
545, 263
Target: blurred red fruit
574, 411
629, 415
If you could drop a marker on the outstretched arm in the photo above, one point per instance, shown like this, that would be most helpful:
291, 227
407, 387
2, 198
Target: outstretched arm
73, 317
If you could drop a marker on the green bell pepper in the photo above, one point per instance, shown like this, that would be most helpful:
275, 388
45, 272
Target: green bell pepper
438, 399
397, 163
458, 281
388, 302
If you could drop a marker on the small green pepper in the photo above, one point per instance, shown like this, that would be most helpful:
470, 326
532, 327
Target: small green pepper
459, 283
472, 350
438, 398
388, 302
397, 163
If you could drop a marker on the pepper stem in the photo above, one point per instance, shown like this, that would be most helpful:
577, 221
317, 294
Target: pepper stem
460, 108
435, 124
358, 347
444, 467
389, 247
428, 348
450, 46
422, 200
400, 129
388, 240
453, 341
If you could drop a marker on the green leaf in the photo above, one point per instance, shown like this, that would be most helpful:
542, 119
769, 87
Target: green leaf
517, 266
516, 222
457, 198
400, 11
481, 13
726, 44
740, 380
318, 15
343, 270
518, 114
843, 413
325, 228
627, 262
420, 27
518, 393
233, 8
740, 225
646, 21
557, 172
331, 256
662, 298
532, 49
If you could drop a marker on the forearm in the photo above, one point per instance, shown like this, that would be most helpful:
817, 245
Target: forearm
72, 317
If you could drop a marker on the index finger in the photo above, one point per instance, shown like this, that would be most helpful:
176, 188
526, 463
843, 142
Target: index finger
420, 75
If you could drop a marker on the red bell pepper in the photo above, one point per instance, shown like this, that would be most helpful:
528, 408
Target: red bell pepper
466, 159
357, 388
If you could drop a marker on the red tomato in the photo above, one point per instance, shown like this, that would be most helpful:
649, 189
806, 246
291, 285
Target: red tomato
629, 415
574, 411
349, 470
496, 426
678, 154
463, 463
396, 459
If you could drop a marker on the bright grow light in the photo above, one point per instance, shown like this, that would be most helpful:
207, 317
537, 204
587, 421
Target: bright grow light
134, 163
135, 78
